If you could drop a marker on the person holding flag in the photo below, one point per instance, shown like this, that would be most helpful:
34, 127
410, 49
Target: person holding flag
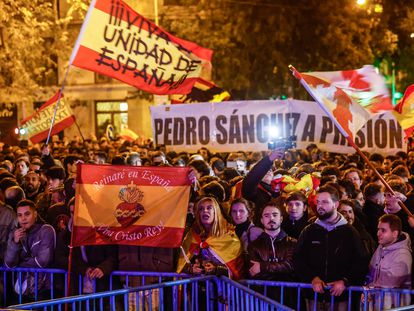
211, 246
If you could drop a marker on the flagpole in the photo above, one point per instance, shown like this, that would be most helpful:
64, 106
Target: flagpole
156, 11
80, 132
68, 288
72, 57
57, 105
351, 142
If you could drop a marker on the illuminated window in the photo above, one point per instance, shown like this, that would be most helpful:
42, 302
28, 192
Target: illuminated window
114, 113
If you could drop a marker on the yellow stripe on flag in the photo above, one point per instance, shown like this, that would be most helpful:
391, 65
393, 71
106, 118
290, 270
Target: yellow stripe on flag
153, 50
102, 207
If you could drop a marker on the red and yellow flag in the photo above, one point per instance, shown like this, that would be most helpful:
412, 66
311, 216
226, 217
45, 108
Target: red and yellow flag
144, 206
38, 124
404, 111
203, 91
226, 248
349, 97
118, 42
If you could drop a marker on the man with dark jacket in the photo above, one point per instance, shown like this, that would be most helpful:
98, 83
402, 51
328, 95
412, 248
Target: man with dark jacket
30, 245
271, 254
7, 224
330, 252
296, 208
373, 208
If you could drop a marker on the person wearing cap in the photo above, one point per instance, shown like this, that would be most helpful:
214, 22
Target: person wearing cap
35, 164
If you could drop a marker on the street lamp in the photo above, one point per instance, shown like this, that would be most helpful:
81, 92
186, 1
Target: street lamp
361, 2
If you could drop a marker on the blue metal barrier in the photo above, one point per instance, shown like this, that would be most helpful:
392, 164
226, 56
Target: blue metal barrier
146, 290
144, 277
42, 280
180, 297
57, 282
406, 308
378, 298
223, 294
238, 297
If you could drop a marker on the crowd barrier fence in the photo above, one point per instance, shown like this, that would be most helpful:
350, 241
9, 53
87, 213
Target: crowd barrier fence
378, 298
221, 294
52, 283
150, 289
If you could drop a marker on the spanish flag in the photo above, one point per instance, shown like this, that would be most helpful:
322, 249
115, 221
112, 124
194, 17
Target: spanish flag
118, 42
226, 248
203, 91
38, 124
404, 111
144, 206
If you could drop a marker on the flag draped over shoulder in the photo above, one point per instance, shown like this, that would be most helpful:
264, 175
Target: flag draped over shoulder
352, 97
38, 124
226, 248
118, 42
203, 91
404, 111
144, 206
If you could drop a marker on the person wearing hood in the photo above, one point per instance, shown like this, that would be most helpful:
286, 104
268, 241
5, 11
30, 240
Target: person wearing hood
329, 253
390, 266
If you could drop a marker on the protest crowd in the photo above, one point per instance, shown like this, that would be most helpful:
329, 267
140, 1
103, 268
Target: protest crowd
288, 215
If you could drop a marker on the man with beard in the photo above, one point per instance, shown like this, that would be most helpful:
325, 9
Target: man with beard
271, 254
32, 185
329, 253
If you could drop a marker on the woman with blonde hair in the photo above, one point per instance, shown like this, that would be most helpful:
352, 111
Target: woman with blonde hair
211, 246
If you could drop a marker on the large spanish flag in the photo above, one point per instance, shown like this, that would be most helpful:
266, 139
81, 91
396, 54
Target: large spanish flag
128, 205
118, 42
38, 124
404, 111
226, 248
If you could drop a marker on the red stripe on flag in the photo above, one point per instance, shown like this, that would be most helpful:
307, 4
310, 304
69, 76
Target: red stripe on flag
145, 176
236, 267
87, 59
57, 127
142, 23
46, 104
150, 236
